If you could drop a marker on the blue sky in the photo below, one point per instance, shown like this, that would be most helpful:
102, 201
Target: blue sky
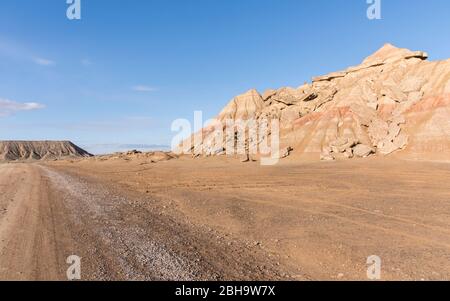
124, 72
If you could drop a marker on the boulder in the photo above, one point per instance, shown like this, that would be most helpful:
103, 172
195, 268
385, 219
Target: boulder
401, 141
287, 96
309, 96
386, 147
342, 144
394, 131
362, 150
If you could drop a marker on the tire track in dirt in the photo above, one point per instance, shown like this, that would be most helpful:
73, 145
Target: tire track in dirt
141, 242
352, 221
119, 235
28, 249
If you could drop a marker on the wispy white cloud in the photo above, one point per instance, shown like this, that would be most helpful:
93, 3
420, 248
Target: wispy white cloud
16, 51
44, 62
143, 88
8, 107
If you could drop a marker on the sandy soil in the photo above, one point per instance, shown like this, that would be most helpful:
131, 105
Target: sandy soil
221, 219
47, 215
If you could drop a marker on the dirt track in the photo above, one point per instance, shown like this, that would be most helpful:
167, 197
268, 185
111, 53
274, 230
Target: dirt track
47, 216
220, 219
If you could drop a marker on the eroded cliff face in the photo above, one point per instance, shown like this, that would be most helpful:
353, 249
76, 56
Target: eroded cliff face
39, 150
395, 102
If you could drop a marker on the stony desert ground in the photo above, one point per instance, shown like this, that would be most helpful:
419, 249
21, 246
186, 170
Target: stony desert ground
365, 171
219, 219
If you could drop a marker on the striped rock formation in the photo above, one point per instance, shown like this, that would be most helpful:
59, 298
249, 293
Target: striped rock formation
39, 150
395, 102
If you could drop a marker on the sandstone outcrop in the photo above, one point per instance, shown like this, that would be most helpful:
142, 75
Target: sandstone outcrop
394, 102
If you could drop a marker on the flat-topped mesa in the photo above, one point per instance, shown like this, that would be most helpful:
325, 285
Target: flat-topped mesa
396, 101
39, 150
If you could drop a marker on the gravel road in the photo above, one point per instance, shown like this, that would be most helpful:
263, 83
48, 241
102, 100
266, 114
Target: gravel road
48, 215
